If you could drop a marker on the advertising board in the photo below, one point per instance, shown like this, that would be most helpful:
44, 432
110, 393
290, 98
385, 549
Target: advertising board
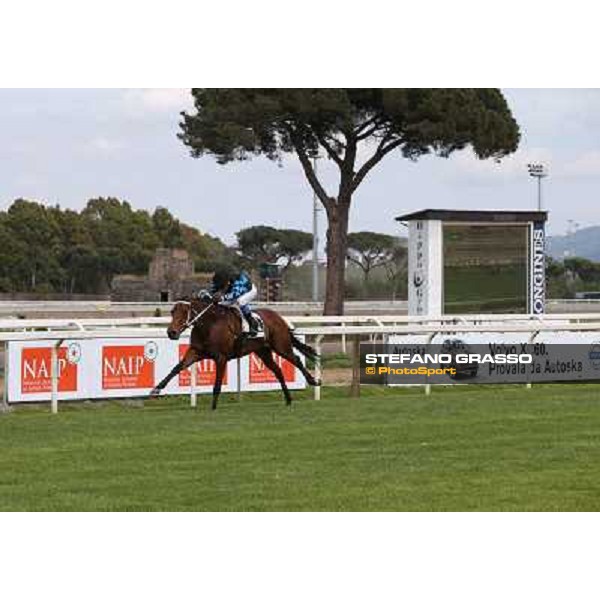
121, 368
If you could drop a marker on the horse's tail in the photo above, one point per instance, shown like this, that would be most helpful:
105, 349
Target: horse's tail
307, 350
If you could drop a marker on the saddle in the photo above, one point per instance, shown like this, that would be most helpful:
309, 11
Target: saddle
260, 326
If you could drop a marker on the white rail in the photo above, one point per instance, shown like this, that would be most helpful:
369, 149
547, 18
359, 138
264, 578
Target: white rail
59, 330
87, 324
362, 320
103, 306
316, 330
108, 304
83, 323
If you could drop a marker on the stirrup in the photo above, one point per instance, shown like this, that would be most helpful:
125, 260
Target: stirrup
252, 330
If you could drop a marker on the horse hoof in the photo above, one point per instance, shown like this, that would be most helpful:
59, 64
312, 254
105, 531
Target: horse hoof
155, 392
317, 383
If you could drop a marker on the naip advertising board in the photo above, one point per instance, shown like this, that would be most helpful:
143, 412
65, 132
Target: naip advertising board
120, 368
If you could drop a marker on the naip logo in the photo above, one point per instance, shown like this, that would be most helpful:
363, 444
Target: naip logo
127, 367
206, 371
36, 371
259, 373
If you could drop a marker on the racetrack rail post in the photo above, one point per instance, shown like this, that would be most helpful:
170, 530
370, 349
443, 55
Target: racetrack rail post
355, 387
429, 341
4, 402
532, 337
239, 379
318, 370
54, 377
193, 395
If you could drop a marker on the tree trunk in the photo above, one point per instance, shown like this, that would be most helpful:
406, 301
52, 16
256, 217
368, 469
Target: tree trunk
337, 247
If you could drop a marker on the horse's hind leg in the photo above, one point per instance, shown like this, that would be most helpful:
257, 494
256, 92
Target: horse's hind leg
221, 365
297, 361
286, 351
267, 358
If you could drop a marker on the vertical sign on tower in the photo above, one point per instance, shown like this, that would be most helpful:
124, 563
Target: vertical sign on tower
537, 269
417, 268
425, 267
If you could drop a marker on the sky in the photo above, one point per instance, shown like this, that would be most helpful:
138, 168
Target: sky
65, 146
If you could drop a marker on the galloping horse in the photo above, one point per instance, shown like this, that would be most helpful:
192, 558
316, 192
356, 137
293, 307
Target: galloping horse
217, 334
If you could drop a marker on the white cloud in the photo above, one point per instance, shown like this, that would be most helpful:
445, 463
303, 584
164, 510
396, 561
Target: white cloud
585, 165
157, 99
105, 145
544, 109
513, 167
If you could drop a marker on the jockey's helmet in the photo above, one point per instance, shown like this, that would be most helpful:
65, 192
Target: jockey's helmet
223, 277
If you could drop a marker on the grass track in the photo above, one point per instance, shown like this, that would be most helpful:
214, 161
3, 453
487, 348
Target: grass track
468, 448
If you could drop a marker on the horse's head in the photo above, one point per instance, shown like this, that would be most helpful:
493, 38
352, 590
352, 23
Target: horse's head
184, 314
180, 314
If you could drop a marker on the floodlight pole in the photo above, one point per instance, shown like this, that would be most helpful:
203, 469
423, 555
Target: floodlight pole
538, 171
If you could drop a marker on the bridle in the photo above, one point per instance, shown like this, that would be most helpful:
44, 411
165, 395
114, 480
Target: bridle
191, 318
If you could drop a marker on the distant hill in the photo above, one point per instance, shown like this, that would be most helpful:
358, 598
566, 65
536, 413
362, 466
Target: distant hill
584, 243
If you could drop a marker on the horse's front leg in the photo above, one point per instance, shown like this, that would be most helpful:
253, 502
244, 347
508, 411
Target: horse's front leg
190, 357
221, 365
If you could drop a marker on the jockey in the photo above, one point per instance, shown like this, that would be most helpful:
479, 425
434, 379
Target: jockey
236, 289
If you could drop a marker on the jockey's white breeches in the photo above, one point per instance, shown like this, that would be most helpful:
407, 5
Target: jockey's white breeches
244, 298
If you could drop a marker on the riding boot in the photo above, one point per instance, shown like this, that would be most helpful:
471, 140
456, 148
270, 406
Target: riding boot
252, 324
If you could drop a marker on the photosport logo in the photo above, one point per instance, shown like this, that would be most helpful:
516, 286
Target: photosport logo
452, 360
456, 361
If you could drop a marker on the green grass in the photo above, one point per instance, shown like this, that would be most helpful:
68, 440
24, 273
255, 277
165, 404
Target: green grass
336, 360
485, 289
467, 448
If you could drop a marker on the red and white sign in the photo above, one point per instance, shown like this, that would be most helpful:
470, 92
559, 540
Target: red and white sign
256, 376
206, 371
36, 371
259, 373
126, 367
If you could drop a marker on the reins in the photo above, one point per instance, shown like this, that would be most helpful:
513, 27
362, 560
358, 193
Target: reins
190, 320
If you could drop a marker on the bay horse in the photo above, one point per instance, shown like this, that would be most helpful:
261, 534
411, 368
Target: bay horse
217, 334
